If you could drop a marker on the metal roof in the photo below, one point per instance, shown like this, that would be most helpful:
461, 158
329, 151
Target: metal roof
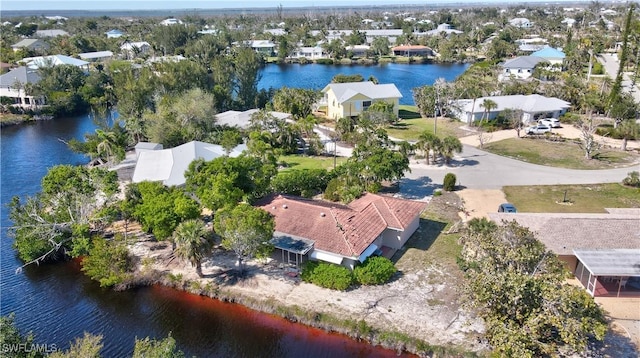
97, 54
21, 74
616, 262
291, 243
243, 119
549, 52
346, 91
533, 103
523, 62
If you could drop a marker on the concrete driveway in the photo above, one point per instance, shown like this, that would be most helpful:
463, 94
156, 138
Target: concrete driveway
611, 65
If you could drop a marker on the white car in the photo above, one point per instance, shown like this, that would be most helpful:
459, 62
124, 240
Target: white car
550, 122
538, 129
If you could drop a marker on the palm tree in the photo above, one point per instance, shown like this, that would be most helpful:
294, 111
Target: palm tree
192, 243
427, 142
449, 146
488, 105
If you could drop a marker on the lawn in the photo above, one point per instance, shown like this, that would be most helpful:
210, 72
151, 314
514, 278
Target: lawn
410, 129
295, 162
554, 154
580, 198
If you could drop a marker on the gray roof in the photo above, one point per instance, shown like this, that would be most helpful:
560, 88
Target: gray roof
346, 91
621, 262
243, 119
53, 60
292, 243
533, 103
562, 233
169, 165
98, 54
148, 145
21, 74
25, 43
523, 62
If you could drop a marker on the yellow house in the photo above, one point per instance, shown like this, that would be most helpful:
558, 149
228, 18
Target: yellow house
352, 98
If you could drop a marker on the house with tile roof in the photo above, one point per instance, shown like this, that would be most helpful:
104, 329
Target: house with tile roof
533, 106
12, 85
352, 98
519, 68
341, 234
602, 250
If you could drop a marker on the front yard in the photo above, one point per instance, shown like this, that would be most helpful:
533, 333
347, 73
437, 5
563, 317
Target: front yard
297, 162
559, 154
591, 198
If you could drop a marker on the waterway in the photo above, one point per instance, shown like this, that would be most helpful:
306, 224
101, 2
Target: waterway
58, 303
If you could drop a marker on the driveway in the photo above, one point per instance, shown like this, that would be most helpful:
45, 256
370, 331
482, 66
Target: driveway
611, 65
477, 169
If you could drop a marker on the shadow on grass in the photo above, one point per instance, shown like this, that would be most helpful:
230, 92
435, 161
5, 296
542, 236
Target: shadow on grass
423, 238
400, 126
404, 114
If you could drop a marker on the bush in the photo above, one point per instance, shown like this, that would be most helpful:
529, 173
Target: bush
327, 275
632, 179
108, 262
324, 61
374, 270
307, 183
449, 183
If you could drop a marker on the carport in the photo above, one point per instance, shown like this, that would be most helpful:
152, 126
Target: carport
608, 272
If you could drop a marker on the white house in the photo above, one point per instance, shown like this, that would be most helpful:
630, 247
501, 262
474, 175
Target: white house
169, 165
521, 22
532, 106
242, 120
51, 33
97, 56
311, 53
443, 28
12, 85
352, 98
341, 234
54, 60
114, 34
358, 50
519, 68
171, 21
133, 49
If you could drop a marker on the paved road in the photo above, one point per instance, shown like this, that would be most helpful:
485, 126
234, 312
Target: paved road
477, 169
611, 65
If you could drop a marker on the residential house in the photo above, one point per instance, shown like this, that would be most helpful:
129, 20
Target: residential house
134, 49
51, 33
171, 21
311, 53
264, 47
145, 147
370, 35
551, 55
13, 83
521, 22
568, 21
98, 56
54, 60
352, 98
519, 68
242, 120
35, 45
412, 50
169, 165
531, 44
276, 32
442, 29
533, 106
602, 250
341, 234
358, 50
114, 34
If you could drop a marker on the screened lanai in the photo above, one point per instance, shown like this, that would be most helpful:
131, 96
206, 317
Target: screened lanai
613, 272
293, 248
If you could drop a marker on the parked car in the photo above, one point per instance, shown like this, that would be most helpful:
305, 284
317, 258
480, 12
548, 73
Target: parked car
550, 122
507, 208
537, 129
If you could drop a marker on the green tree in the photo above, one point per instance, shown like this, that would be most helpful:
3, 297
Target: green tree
151, 348
335, 49
380, 46
10, 337
246, 66
488, 105
428, 142
108, 262
450, 145
297, 101
245, 230
89, 346
518, 287
342, 78
192, 242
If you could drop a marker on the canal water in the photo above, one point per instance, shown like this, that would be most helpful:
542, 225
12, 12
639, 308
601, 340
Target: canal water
58, 303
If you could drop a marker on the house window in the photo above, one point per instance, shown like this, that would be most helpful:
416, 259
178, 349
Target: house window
366, 105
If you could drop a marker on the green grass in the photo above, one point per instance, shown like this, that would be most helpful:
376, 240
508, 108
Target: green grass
296, 162
563, 155
580, 198
410, 129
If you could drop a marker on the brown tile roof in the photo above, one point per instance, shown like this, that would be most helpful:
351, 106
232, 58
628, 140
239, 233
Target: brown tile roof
563, 233
342, 229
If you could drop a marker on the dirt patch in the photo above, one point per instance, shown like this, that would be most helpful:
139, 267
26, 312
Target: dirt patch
478, 203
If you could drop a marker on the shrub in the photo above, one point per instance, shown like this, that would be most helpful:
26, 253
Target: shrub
632, 179
324, 61
449, 183
108, 262
327, 275
306, 182
374, 270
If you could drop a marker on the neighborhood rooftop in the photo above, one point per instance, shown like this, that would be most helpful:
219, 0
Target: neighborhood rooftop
523, 62
527, 103
614, 262
21, 74
346, 91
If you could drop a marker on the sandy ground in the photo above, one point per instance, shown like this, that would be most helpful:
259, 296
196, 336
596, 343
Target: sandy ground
477, 202
412, 303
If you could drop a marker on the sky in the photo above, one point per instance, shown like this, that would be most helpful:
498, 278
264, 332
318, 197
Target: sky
211, 4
